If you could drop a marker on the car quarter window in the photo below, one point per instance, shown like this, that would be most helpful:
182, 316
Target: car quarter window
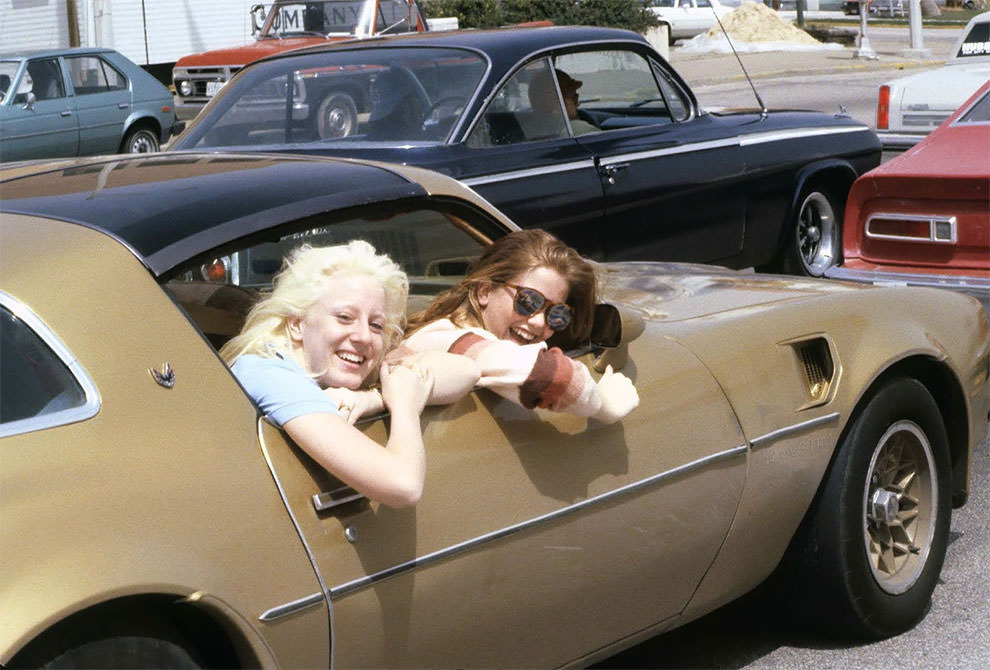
91, 74
41, 385
434, 248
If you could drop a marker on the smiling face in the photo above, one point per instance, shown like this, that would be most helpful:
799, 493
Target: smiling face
501, 319
341, 338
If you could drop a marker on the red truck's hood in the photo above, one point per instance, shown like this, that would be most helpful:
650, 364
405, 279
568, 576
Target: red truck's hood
249, 53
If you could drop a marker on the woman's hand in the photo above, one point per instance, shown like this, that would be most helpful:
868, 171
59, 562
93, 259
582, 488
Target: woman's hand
406, 387
619, 396
353, 405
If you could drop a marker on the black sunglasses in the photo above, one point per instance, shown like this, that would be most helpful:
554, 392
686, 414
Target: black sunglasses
529, 301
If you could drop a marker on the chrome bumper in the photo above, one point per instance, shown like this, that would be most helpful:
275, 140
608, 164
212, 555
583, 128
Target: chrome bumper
978, 287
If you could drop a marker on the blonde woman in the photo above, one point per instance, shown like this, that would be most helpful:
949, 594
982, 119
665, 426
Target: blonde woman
314, 342
526, 287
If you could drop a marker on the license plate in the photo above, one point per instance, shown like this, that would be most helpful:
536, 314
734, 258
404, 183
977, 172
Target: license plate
213, 87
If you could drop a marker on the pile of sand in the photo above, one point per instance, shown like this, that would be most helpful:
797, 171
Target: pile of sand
754, 27
755, 22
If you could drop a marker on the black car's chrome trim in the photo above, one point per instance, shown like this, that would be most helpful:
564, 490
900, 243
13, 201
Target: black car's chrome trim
531, 172
347, 588
797, 133
742, 140
89, 408
790, 431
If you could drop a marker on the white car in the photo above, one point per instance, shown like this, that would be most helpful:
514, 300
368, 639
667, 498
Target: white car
908, 108
686, 18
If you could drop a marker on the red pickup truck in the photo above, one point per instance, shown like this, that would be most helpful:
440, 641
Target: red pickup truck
290, 25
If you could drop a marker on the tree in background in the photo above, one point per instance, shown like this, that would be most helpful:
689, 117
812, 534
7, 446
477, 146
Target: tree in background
629, 14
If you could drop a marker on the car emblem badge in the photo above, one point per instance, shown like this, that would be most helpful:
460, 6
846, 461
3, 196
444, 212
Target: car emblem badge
165, 376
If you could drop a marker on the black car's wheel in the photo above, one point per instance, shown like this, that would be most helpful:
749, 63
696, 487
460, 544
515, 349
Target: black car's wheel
140, 140
337, 116
815, 241
875, 544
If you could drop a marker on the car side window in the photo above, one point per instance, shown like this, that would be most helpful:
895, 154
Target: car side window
38, 388
526, 109
91, 74
46, 79
618, 89
434, 248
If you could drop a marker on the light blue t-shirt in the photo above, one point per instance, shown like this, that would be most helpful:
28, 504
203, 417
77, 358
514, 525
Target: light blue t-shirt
281, 388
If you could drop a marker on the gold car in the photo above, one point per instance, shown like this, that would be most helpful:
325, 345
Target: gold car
152, 516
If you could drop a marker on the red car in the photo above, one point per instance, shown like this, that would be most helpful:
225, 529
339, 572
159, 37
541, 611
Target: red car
923, 218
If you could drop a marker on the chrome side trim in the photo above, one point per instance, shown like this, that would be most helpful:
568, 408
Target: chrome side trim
742, 140
797, 133
291, 607
530, 172
92, 401
789, 431
348, 588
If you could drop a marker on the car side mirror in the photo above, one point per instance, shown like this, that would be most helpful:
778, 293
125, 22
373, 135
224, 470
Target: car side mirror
29, 99
614, 328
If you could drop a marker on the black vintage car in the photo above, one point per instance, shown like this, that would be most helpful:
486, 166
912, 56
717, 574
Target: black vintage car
587, 132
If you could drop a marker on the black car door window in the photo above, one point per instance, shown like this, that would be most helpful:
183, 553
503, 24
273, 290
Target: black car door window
527, 108
618, 89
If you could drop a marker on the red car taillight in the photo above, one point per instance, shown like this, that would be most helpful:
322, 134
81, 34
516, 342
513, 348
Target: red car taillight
883, 108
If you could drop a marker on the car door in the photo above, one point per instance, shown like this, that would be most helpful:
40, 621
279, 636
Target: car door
103, 103
540, 537
672, 179
39, 119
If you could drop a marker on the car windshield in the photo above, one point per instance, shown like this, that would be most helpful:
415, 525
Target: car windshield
337, 17
976, 42
383, 95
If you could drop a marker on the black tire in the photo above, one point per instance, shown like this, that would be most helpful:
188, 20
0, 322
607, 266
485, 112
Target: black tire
112, 639
125, 652
814, 242
337, 116
140, 140
874, 546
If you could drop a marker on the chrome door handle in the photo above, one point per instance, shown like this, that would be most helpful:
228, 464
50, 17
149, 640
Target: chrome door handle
330, 499
67, 112
122, 105
609, 171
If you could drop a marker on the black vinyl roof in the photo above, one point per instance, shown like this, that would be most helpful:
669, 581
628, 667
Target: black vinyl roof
504, 46
170, 207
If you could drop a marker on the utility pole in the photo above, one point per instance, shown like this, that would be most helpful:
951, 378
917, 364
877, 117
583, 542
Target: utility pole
917, 49
865, 50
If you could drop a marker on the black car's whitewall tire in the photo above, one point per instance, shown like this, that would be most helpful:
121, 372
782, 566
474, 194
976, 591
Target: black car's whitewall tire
876, 542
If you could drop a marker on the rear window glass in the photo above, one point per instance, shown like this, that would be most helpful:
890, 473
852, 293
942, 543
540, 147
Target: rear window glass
977, 42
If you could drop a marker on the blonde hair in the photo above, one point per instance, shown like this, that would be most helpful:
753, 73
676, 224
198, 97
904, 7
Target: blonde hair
508, 257
302, 283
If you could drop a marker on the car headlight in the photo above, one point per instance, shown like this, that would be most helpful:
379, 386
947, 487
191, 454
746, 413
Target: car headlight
185, 87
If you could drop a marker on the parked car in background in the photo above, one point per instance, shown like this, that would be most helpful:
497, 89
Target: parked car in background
686, 18
910, 107
78, 102
146, 504
641, 171
923, 218
289, 25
